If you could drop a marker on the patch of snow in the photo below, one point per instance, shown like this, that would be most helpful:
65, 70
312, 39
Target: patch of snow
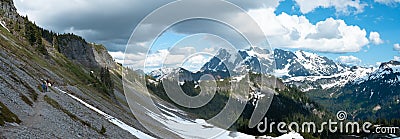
327, 86
291, 135
238, 78
282, 72
3, 24
170, 109
377, 107
198, 128
204, 123
372, 93
152, 81
307, 89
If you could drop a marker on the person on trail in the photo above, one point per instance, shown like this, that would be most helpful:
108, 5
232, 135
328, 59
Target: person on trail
48, 83
44, 87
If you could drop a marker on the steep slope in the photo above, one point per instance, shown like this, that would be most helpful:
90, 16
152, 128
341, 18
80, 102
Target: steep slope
28, 56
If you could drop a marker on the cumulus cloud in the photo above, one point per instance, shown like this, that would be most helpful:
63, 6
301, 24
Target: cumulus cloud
194, 63
167, 58
396, 47
328, 30
341, 6
209, 50
375, 38
111, 22
349, 60
292, 31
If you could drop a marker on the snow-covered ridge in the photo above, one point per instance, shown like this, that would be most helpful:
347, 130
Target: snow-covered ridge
335, 80
301, 63
161, 73
315, 63
384, 70
254, 59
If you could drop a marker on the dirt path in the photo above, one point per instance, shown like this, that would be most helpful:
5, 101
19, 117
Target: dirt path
38, 112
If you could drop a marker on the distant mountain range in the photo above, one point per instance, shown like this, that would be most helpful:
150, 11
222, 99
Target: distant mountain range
303, 69
322, 77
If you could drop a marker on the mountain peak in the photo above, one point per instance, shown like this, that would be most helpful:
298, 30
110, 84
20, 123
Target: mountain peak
389, 64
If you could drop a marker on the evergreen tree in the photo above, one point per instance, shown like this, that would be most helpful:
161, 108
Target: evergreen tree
105, 78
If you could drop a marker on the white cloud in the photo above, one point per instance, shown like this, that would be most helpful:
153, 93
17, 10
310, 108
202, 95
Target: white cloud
117, 55
209, 50
196, 62
375, 38
328, 30
167, 58
341, 6
349, 60
182, 50
396, 47
283, 30
396, 58
387, 2
292, 31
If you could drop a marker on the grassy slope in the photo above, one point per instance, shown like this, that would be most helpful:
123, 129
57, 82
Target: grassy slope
39, 67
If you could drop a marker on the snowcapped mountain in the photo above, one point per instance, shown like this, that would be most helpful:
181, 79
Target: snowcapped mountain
310, 71
288, 64
160, 73
254, 59
348, 74
389, 72
300, 63
378, 92
305, 70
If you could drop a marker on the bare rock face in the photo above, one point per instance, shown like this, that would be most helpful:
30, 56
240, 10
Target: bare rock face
77, 50
9, 11
102, 57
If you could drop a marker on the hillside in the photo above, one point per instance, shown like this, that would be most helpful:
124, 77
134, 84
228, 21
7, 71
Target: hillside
81, 74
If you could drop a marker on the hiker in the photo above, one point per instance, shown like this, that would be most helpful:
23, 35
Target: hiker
48, 83
44, 87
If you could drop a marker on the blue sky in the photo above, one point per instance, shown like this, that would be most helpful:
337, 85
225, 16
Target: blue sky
377, 17
350, 31
374, 17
